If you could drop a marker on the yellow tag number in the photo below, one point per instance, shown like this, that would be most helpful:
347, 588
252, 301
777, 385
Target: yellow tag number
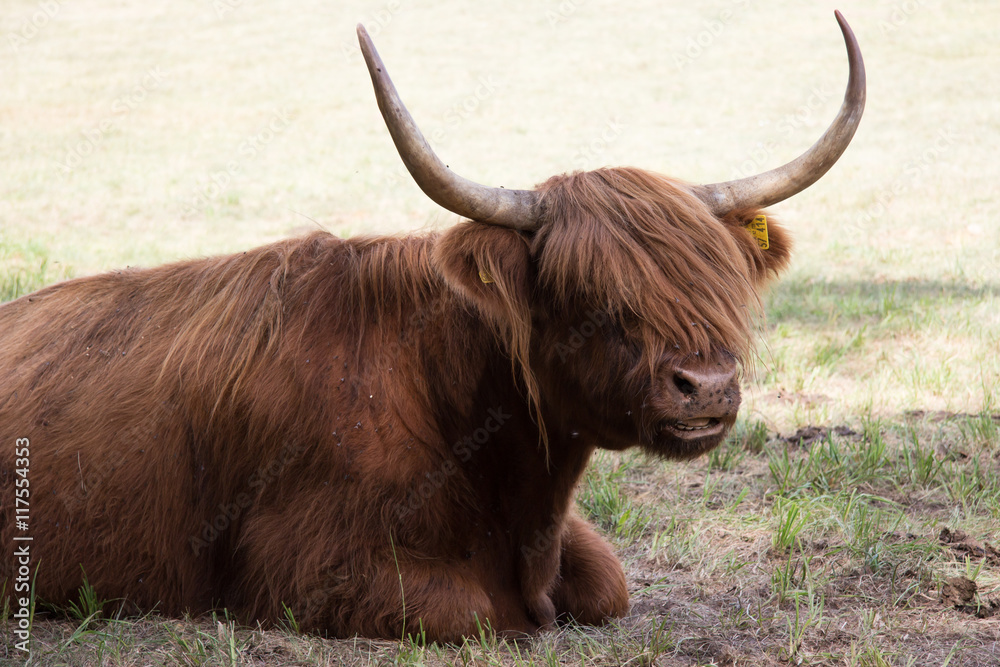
758, 230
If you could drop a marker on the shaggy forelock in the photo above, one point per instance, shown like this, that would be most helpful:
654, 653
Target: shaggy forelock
642, 248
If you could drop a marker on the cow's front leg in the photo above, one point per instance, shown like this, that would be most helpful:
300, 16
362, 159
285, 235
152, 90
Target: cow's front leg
446, 604
592, 585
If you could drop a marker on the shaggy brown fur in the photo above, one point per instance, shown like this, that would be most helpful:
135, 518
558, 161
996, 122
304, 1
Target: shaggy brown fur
334, 424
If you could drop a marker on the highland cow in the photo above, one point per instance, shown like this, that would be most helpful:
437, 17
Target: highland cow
384, 434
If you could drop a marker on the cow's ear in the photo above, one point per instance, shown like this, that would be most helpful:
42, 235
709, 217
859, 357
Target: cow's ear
491, 267
767, 245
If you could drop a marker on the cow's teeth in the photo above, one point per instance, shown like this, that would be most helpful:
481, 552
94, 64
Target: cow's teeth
694, 424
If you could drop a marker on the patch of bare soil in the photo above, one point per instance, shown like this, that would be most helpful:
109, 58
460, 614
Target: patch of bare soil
943, 415
963, 545
810, 434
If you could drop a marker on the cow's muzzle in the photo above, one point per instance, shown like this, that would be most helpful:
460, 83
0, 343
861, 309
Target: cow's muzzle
697, 400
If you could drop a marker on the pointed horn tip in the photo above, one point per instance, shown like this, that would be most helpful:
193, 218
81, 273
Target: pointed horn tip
844, 26
368, 50
852, 41
855, 92
364, 39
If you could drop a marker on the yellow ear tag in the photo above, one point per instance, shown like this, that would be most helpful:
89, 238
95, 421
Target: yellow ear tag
485, 276
758, 230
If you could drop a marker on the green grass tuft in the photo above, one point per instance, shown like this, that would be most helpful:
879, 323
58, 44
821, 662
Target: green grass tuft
602, 498
24, 268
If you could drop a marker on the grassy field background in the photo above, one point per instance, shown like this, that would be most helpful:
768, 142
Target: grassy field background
139, 133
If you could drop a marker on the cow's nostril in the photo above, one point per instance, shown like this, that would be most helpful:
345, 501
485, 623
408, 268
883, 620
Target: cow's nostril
684, 385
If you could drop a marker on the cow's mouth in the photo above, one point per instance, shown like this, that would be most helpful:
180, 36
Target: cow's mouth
698, 427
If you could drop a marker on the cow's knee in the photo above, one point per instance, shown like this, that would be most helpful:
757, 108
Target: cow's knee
592, 586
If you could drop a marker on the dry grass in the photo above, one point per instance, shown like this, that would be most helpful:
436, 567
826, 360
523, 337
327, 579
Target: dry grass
829, 556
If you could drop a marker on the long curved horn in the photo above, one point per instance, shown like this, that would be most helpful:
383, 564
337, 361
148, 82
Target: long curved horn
519, 209
779, 184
